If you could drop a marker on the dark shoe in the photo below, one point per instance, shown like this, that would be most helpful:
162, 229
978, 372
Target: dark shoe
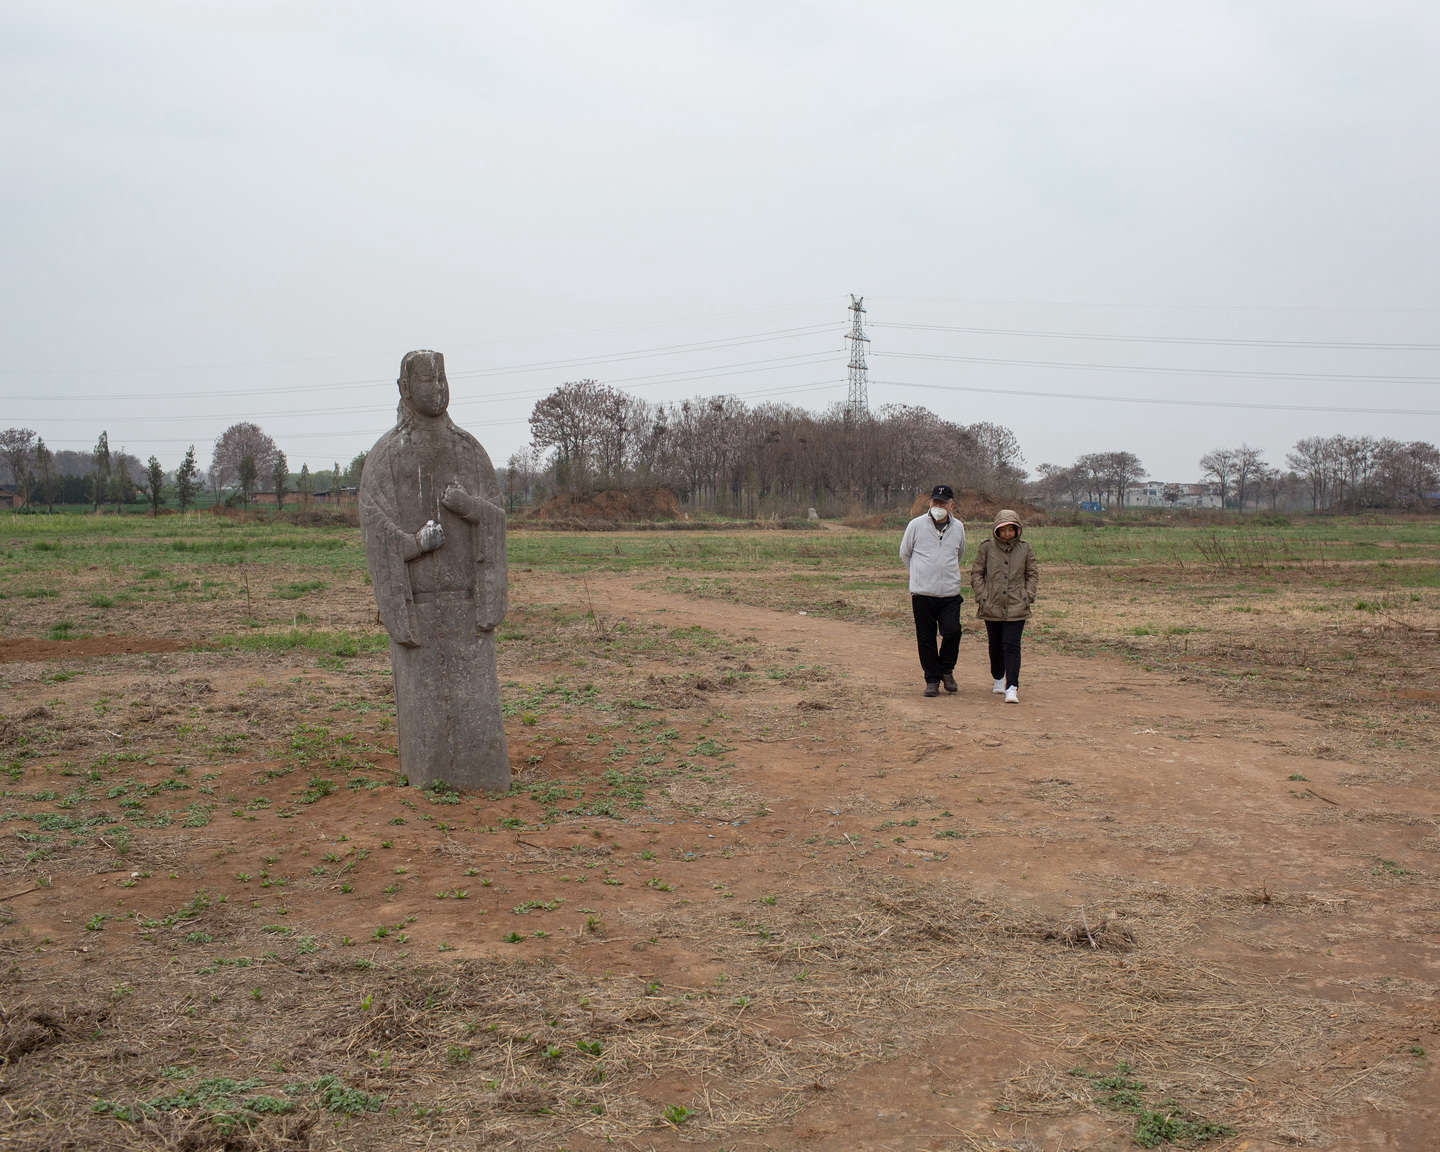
932, 688
949, 682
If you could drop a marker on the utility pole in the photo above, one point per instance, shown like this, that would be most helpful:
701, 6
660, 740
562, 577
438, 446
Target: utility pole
857, 403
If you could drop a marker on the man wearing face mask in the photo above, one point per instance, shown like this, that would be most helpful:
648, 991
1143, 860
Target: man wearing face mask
933, 548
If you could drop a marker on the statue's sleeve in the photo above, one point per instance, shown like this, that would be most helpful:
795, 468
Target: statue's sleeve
492, 581
493, 575
387, 547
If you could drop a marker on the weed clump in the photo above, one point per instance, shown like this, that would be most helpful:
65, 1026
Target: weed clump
1166, 1123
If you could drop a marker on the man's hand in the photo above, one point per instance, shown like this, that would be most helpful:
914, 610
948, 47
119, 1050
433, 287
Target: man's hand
430, 537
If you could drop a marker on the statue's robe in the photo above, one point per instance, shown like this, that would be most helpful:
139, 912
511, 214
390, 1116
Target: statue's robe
440, 607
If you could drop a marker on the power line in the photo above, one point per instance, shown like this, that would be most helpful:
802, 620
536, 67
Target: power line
1201, 340
1351, 377
580, 362
1162, 400
1111, 306
536, 366
678, 321
693, 375
774, 391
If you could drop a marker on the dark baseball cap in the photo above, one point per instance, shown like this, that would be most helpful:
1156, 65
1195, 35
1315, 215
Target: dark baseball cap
942, 492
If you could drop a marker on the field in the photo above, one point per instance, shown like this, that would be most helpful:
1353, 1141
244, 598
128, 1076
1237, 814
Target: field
750, 890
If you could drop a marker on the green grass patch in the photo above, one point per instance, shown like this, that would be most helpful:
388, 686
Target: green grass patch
231, 1104
1164, 1123
298, 588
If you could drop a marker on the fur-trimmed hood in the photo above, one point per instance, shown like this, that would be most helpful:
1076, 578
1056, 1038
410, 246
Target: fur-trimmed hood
1008, 516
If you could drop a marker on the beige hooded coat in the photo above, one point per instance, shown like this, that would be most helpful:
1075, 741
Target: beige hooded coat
1004, 576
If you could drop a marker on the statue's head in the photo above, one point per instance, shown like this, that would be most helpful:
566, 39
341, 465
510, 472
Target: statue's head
423, 386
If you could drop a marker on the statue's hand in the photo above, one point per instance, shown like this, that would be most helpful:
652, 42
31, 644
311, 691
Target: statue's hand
455, 498
430, 537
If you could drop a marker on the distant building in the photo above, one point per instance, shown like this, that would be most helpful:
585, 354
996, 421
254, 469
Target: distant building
1158, 494
337, 496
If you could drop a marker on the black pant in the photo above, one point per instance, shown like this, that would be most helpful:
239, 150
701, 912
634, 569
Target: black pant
1004, 637
937, 614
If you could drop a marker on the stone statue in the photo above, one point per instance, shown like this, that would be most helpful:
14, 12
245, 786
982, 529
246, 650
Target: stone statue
435, 542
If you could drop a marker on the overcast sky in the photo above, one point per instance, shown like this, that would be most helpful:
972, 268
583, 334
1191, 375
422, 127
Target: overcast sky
225, 211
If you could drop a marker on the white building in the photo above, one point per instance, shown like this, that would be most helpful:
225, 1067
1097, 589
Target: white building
1159, 494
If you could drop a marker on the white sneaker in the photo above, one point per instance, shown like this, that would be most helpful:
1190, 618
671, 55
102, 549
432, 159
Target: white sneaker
1012, 696
999, 687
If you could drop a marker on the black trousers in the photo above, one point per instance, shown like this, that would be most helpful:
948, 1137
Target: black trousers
937, 614
1004, 638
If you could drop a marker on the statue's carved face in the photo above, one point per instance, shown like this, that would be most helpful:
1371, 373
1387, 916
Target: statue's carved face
426, 389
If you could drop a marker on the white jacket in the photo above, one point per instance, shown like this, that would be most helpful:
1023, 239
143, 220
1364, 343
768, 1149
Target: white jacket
933, 557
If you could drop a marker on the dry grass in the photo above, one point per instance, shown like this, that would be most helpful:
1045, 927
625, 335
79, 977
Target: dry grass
515, 1052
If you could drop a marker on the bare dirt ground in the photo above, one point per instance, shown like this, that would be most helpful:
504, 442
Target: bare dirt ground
751, 891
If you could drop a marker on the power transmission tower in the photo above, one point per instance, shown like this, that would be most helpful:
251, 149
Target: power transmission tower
857, 403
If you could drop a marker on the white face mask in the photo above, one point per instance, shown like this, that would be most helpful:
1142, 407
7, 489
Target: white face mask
940, 514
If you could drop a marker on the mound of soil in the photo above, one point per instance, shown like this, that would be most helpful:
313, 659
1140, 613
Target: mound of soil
609, 506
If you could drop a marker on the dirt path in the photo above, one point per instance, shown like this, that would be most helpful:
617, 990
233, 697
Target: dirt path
1215, 772
1300, 869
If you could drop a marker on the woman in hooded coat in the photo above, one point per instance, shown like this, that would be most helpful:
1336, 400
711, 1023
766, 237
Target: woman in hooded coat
1004, 579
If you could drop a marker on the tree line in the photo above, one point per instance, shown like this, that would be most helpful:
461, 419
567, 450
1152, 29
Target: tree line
717, 453
1325, 473
1329, 473
245, 461
1322, 473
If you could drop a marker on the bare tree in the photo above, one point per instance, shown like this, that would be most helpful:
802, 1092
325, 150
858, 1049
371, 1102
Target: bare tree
1055, 484
723, 427
620, 425
647, 439
1090, 472
1249, 467
1355, 458
1122, 470
1107, 475
1311, 460
1219, 466
1407, 473
686, 448
569, 420
231, 447
522, 477
909, 439
17, 445
1001, 459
